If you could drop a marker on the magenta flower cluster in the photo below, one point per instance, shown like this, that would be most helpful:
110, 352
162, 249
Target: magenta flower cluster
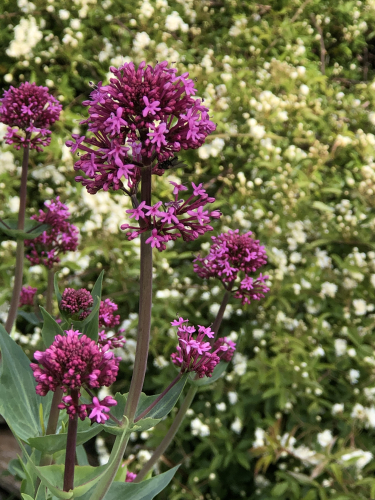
143, 115
27, 296
180, 218
233, 253
73, 301
71, 362
195, 354
61, 237
32, 110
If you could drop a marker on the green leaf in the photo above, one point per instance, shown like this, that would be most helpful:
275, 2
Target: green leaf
91, 329
50, 328
81, 455
57, 290
26, 497
216, 374
56, 442
19, 403
319, 205
30, 317
29, 233
279, 489
144, 424
146, 490
87, 326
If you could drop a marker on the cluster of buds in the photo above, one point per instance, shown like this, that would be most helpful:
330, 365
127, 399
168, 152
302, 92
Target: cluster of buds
60, 238
29, 111
231, 254
186, 219
27, 296
142, 116
80, 302
196, 354
73, 361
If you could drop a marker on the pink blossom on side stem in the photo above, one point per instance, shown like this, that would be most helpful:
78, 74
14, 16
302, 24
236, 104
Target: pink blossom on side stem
180, 218
27, 296
73, 361
195, 353
144, 116
73, 301
29, 111
130, 476
60, 238
233, 254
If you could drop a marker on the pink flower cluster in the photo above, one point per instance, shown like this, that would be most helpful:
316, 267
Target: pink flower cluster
180, 218
196, 354
231, 348
143, 115
30, 109
130, 476
27, 296
73, 301
231, 254
61, 237
71, 362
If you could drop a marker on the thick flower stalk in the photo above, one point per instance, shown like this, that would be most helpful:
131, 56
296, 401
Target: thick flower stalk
232, 257
179, 218
60, 238
29, 110
27, 296
195, 354
143, 116
72, 362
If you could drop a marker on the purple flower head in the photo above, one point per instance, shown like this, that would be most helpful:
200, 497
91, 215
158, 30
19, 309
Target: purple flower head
130, 476
231, 348
195, 354
113, 341
144, 116
230, 255
29, 111
73, 301
180, 218
107, 318
27, 296
73, 361
61, 237
99, 409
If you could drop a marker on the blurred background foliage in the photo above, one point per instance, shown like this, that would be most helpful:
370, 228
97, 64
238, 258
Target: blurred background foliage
291, 87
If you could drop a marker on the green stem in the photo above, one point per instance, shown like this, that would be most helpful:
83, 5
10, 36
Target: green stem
145, 303
50, 289
161, 396
168, 438
18, 275
219, 317
71, 441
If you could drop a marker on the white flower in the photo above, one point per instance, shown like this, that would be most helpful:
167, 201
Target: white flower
323, 260
221, 406
370, 417
173, 22
143, 456
26, 36
146, 9
305, 284
369, 393
198, 428
304, 89
236, 426
325, 438
360, 307
342, 140
64, 14
233, 397
258, 333
260, 436
340, 347
141, 41
239, 363
337, 408
372, 280
362, 458
160, 362
328, 289
354, 376
319, 351
358, 412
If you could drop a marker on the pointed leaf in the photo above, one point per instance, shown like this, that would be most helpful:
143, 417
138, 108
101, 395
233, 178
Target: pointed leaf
146, 490
216, 374
50, 328
57, 290
81, 455
9, 227
19, 403
56, 442
30, 317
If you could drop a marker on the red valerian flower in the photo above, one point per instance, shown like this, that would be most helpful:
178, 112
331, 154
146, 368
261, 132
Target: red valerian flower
144, 116
27, 296
29, 111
